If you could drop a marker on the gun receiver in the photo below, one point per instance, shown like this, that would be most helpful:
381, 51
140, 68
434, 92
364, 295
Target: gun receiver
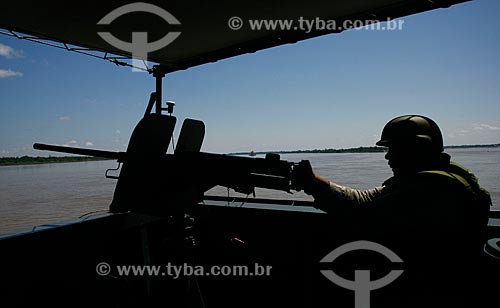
242, 174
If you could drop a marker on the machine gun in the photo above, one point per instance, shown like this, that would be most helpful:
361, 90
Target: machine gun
154, 182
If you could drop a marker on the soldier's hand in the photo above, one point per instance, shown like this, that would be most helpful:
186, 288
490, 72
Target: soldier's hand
303, 176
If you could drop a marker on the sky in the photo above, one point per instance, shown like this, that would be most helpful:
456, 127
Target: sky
335, 91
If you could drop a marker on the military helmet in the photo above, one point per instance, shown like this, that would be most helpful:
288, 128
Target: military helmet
409, 128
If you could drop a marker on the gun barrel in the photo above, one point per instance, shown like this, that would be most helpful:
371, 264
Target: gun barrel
87, 152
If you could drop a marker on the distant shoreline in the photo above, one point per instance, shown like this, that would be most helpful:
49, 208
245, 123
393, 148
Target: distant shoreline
28, 160
374, 149
496, 145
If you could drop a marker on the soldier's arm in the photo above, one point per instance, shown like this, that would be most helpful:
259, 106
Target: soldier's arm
330, 196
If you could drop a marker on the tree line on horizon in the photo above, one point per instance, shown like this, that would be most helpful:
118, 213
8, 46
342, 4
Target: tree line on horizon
28, 160
371, 149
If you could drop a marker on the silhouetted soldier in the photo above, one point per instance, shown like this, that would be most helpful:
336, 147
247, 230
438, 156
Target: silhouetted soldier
432, 212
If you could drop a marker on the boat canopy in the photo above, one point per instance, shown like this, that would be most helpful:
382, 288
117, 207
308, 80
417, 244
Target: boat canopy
193, 33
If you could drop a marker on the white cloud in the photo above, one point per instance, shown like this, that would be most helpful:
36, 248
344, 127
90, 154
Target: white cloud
485, 127
64, 118
89, 144
118, 131
9, 52
71, 143
459, 133
474, 134
9, 73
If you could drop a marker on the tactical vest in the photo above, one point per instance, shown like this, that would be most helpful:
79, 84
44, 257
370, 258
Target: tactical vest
480, 196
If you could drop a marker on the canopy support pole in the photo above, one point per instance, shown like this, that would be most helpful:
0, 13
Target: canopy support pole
158, 74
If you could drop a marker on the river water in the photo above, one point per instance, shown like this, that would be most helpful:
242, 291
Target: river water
35, 195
